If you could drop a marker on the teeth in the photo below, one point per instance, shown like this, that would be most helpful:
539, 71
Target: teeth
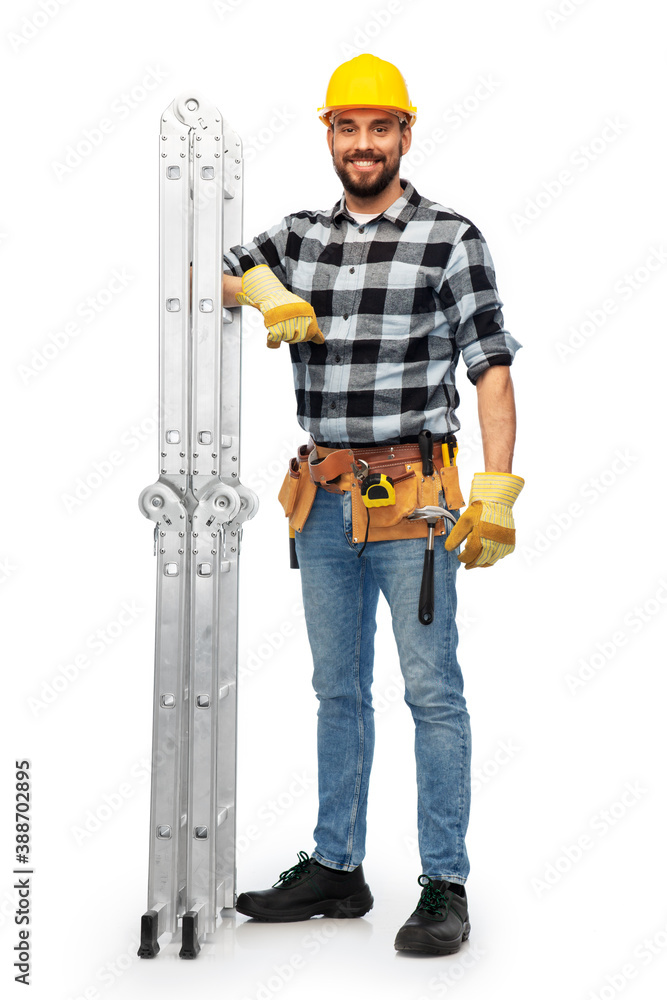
364, 163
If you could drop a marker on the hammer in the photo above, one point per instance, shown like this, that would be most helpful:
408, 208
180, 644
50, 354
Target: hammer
430, 515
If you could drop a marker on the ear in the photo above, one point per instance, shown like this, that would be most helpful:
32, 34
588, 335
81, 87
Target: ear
330, 139
406, 140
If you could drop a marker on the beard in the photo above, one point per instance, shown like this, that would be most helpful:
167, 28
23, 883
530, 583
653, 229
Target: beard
362, 185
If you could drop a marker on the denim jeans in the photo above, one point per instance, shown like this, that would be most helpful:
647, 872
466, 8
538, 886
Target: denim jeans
340, 596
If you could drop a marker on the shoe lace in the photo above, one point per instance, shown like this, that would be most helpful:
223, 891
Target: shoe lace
296, 871
433, 899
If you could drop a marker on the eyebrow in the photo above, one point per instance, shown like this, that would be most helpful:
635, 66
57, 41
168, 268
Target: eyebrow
374, 121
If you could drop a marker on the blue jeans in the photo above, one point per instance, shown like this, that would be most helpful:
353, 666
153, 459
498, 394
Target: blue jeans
340, 596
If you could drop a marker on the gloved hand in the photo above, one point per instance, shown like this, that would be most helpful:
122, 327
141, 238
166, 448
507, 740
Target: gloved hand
286, 316
487, 521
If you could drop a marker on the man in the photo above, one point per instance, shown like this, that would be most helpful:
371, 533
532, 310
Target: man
377, 298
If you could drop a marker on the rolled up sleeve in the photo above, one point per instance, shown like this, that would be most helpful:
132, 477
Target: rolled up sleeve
267, 248
473, 307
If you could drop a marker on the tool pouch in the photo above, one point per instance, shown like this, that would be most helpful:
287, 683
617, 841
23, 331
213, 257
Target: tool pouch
449, 476
297, 492
412, 490
381, 518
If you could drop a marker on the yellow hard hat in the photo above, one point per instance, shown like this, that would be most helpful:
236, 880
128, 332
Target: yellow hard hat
367, 82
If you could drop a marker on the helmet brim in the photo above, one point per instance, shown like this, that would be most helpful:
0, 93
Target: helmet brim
325, 112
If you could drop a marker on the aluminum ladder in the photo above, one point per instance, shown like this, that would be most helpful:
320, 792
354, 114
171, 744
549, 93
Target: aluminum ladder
199, 507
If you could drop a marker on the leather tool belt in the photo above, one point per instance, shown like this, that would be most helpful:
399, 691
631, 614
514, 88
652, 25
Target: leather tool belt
332, 469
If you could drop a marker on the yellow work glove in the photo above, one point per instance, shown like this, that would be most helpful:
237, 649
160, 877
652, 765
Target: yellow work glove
286, 316
487, 521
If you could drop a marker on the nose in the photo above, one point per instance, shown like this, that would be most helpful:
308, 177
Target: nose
365, 138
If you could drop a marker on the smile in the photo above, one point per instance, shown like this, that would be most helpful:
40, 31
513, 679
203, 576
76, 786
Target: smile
365, 164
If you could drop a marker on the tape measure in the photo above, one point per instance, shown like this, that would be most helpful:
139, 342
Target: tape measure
377, 490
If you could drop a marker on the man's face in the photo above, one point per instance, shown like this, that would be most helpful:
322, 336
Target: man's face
366, 145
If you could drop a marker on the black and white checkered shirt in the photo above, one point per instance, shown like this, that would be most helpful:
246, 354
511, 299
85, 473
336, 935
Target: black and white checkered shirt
397, 299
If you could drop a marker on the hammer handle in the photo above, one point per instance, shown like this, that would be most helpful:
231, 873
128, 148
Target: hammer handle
426, 592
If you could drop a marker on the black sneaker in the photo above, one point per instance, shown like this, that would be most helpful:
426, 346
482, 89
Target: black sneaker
440, 922
308, 889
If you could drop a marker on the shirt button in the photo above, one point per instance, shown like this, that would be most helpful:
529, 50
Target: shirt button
361, 229
351, 270
338, 357
345, 315
332, 405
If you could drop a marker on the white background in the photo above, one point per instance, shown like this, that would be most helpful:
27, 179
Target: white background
509, 96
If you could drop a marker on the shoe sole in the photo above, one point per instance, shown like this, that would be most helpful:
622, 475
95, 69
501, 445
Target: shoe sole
354, 906
431, 946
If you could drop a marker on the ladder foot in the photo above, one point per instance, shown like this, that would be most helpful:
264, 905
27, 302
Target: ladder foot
149, 946
190, 946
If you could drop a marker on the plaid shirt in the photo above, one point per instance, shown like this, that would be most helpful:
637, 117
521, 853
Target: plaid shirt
397, 299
